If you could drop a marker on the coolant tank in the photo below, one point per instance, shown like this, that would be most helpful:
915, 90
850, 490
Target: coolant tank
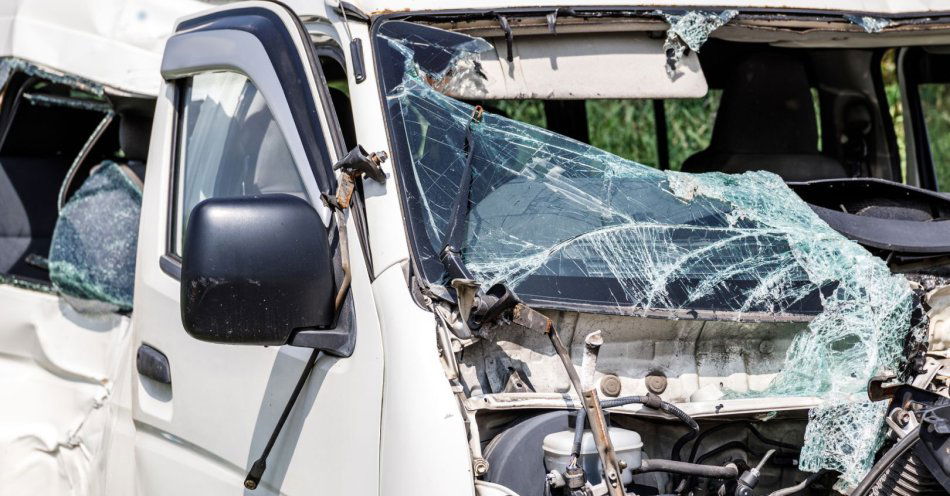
557, 452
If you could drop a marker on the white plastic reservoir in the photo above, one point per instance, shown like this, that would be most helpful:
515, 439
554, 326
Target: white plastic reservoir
557, 452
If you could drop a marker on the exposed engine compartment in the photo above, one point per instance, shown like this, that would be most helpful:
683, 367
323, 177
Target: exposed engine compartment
515, 394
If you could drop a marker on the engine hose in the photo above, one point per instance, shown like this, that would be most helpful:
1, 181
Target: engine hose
729, 471
788, 491
651, 401
690, 481
886, 460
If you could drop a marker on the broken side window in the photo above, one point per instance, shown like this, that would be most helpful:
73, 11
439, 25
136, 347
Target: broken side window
47, 121
570, 226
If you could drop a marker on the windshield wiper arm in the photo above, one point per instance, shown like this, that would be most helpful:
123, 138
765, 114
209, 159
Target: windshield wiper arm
451, 254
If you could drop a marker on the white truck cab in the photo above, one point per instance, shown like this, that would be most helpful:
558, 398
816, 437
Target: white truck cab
467, 248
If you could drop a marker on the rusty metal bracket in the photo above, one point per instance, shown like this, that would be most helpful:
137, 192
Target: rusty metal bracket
477, 113
608, 458
357, 163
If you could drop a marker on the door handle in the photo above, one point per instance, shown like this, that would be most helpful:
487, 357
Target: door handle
153, 364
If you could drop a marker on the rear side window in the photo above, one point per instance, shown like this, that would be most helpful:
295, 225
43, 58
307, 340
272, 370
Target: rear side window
230, 146
935, 107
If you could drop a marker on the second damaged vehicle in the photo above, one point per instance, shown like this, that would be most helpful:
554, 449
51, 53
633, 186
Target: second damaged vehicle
539, 250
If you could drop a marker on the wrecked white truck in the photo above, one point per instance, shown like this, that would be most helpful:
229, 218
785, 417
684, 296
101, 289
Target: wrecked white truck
452, 272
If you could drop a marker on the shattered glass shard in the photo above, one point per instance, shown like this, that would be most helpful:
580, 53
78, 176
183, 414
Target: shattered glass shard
92, 256
566, 225
844, 436
868, 23
690, 30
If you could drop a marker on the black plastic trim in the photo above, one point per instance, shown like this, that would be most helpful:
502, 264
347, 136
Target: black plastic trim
170, 266
279, 45
926, 174
172, 207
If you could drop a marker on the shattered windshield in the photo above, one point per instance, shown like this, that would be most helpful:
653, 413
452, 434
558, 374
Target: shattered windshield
567, 224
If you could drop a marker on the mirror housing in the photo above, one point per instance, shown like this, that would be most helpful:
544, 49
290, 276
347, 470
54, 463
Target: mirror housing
255, 270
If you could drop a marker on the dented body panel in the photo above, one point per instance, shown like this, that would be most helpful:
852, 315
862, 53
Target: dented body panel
66, 427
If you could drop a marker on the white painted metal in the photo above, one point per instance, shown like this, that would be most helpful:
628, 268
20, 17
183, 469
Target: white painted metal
388, 241
423, 446
204, 431
72, 36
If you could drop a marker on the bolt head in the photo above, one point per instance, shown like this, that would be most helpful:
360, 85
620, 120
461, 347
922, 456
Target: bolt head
610, 385
656, 383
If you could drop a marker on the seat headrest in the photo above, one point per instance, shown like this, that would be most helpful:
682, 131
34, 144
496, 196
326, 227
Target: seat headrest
766, 97
134, 133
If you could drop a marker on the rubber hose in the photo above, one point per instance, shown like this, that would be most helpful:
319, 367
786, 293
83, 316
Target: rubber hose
885, 462
788, 491
670, 408
729, 471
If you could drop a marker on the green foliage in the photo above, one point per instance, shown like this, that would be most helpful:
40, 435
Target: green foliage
892, 91
689, 125
627, 127
935, 100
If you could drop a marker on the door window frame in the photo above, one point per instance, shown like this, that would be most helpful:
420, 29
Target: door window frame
252, 29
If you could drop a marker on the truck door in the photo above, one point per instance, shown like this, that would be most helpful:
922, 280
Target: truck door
243, 113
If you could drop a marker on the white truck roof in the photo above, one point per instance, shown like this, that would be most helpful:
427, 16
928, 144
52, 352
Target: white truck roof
880, 7
119, 43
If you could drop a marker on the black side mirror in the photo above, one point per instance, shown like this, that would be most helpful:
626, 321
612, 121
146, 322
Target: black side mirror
255, 270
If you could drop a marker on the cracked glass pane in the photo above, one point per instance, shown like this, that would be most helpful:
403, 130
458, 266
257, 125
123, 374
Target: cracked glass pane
570, 226
92, 256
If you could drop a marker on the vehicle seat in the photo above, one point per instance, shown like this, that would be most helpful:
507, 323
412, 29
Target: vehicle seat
92, 255
766, 121
28, 189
